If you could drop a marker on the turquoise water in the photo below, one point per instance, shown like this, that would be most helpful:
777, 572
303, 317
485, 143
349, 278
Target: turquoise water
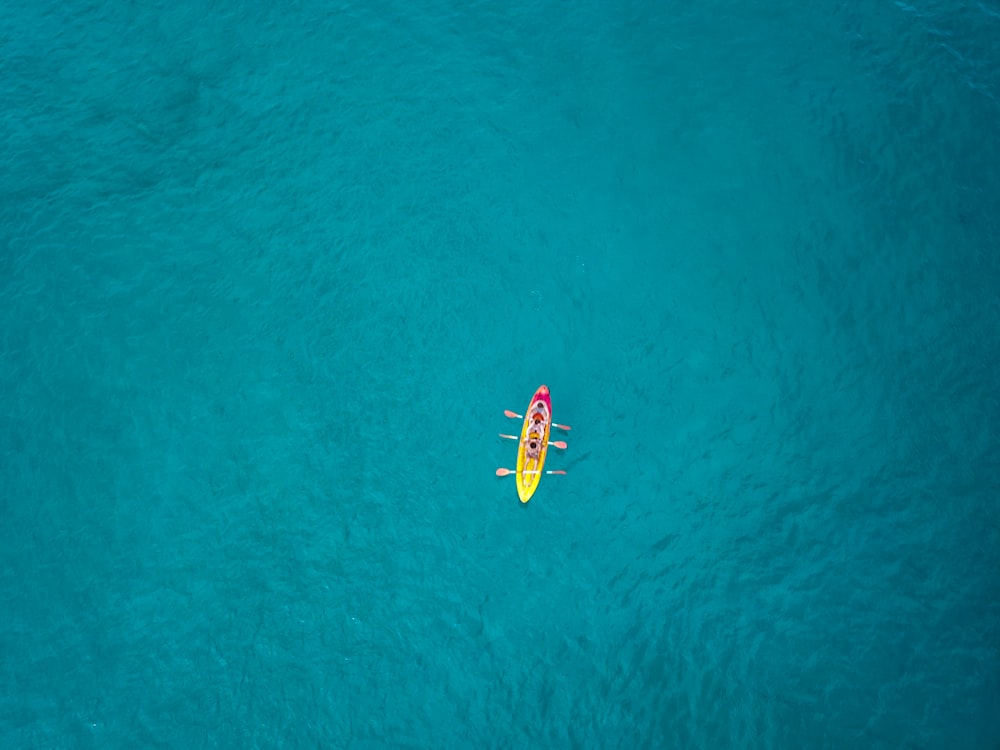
269, 278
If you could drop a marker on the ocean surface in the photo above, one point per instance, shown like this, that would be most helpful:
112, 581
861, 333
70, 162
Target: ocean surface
270, 273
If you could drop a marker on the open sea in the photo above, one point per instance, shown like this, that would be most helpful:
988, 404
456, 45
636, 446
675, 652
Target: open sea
270, 274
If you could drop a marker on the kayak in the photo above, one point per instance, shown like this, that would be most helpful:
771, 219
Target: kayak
534, 443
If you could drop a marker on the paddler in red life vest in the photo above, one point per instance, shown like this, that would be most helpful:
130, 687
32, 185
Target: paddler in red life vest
536, 432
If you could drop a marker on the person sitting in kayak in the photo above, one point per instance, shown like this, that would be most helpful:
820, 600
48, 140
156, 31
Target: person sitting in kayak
536, 433
539, 414
533, 445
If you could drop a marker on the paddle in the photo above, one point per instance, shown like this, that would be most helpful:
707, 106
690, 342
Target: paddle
505, 472
556, 443
512, 415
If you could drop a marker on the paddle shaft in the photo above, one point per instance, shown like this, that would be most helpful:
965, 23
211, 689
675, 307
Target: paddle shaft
555, 443
505, 472
515, 415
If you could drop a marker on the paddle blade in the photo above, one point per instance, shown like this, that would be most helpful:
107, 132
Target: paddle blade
558, 444
512, 415
562, 426
509, 437
560, 471
504, 472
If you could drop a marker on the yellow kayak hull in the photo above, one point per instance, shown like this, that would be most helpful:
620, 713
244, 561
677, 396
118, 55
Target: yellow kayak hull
529, 469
